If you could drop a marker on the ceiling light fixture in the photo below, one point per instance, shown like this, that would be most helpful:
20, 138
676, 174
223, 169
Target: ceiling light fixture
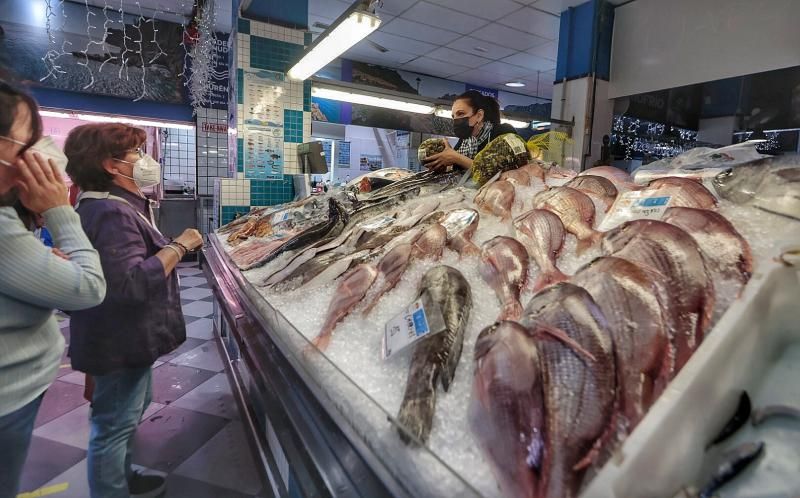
538, 125
355, 24
356, 96
515, 84
97, 118
443, 112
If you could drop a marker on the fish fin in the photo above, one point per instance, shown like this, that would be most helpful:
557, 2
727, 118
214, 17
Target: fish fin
597, 448
511, 311
588, 242
322, 341
549, 278
415, 417
568, 341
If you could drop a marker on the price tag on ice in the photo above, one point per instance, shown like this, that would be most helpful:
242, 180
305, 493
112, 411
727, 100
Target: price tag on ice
417, 322
280, 217
636, 205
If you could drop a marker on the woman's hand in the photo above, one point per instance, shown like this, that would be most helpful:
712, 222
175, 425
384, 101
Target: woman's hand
445, 158
40, 184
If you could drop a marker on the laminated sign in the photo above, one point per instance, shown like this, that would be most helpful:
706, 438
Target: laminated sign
420, 320
636, 205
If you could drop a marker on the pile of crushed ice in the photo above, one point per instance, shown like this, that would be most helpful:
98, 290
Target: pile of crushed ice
356, 345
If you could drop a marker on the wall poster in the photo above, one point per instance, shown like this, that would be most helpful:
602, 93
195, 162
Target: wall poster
263, 124
370, 162
342, 154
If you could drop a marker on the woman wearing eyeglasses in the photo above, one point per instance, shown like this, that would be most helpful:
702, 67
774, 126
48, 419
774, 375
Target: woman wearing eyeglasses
117, 342
33, 280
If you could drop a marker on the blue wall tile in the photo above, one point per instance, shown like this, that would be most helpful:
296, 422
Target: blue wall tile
307, 95
240, 155
273, 55
292, 126
269, 193
240, 86
244, 26
229, 213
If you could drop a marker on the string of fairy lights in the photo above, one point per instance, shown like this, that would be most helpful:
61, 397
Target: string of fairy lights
639, 137
198, 41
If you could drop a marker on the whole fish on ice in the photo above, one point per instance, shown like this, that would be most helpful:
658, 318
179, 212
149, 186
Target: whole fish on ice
630, 299
348, 294
506, 411
430, 243
597, 186
542, 234
504, 266
676, 256
435, 358
578, 384
621, 179
576, 211
461, 225
496, 198
726, 253
517, 177
391, 268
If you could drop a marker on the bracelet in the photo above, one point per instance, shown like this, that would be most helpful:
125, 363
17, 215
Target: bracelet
170, 246
185, 249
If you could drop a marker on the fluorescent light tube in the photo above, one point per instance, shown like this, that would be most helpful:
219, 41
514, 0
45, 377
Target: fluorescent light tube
515, 123
354, 28
541, 124
444, 113
361, 98
95, 118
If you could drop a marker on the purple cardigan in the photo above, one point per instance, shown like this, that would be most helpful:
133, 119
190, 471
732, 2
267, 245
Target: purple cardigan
141, 317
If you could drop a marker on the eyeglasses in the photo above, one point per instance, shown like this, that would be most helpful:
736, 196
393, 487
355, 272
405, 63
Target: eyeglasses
138, 151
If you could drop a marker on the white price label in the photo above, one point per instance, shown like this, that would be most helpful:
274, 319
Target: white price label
280, 217
420, 320
637, 205
516, 144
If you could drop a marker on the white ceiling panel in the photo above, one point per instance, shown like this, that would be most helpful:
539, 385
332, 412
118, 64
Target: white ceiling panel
481, 48
482, 77
548, 50
533, 21
433, 67
395, 7
435, 16
556, 6
327, 8
492, 10
417, 31
509, 70
395, 42
448, 55
507, 37
532, 62
364, 51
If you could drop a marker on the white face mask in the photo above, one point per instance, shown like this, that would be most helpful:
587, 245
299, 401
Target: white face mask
146, 171
48, 148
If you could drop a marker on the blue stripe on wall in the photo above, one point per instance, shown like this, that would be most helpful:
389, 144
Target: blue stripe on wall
48, 97
293, 13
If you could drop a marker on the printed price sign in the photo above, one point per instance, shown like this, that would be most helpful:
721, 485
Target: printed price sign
420, 320
636, 205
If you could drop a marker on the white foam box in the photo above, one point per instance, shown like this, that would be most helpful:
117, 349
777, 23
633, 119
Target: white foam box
666, 451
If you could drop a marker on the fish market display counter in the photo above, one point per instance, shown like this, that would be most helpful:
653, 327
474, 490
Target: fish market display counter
314, 431
322, 405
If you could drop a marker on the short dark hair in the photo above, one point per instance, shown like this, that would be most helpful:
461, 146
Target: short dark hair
10, 98
87, 146
479, 101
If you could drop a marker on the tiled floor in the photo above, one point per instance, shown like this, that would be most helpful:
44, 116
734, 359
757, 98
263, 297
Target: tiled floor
191, 432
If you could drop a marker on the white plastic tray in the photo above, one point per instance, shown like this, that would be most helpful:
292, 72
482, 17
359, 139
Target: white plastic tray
666, 451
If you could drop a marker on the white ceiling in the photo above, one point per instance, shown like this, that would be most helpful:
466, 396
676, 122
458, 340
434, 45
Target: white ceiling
483, 42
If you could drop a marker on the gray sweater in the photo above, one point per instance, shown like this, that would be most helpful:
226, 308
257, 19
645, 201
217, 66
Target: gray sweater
34, 282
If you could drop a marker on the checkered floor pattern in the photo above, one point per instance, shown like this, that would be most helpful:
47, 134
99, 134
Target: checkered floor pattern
192, 432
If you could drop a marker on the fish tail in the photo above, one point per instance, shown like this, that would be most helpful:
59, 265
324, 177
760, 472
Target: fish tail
587, 242
548, 278
323, 340
512, 310
415, 417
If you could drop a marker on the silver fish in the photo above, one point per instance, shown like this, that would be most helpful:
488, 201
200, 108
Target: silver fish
461, 225
436, 357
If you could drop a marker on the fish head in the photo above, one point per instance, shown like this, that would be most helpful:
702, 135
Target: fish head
502, 345
460, 221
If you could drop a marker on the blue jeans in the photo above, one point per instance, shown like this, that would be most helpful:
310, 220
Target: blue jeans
118, 403
15, 438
